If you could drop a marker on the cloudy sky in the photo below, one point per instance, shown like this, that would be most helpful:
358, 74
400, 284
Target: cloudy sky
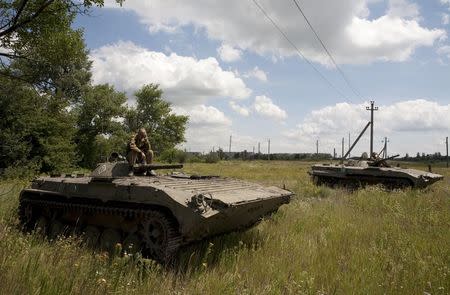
225, 65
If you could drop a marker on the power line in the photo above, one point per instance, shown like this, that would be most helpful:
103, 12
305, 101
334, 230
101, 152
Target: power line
296, 48
354, 90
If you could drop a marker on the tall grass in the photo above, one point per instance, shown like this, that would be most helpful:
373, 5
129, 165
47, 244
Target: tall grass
326, 241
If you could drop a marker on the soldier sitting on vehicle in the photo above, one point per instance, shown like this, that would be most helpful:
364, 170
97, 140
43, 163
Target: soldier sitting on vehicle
374, 157
139, 149
377, 161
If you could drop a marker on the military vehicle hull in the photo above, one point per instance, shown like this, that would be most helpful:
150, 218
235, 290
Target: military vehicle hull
354, 176
152, 214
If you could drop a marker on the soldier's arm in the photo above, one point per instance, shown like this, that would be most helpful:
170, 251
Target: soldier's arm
148, 143
133, 145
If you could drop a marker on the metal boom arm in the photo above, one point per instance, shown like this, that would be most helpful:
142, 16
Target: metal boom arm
356, 141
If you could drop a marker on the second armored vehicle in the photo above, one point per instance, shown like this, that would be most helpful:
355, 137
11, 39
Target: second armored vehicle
146, 212
358, 173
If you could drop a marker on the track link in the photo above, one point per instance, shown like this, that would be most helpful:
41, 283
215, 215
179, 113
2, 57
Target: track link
172, 244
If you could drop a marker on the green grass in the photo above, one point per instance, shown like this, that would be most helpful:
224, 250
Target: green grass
324, 242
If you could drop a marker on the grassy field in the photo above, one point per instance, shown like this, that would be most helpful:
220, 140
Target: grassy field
324, 242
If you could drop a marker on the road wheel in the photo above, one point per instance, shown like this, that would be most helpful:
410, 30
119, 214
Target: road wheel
132, 244
316, 180
160, 236
70, 230
27, 216
109, 240
91, 235
41, 225
56, 229
402, 184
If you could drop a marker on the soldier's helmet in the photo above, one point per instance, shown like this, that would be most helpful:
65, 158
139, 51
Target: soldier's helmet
364, 156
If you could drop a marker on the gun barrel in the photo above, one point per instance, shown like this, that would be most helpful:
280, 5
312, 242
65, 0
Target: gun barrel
382, 160
392, 157
141, 167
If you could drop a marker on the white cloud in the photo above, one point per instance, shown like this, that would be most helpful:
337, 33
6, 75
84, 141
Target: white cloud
446, 2
390, 38
228, 54
257, 74
410, 115
185, 80
344, 25
444, 50
243, 111
202, 115
5, 50
403, 8
445, 19
406, 122
264, 106
209, 127
415, 115
7, 42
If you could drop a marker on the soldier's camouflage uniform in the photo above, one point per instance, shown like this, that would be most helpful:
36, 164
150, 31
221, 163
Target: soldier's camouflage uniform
136, 147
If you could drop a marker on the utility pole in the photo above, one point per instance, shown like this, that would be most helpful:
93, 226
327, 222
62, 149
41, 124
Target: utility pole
372, 108
446, 146
334, 153
317, 147
343, 143
259, 148
229, 147
268, 150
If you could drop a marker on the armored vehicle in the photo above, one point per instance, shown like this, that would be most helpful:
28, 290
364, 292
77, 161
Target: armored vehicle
358, 173
153, 214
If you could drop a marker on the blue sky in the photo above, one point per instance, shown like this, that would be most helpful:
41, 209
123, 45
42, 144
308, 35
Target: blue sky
227, 67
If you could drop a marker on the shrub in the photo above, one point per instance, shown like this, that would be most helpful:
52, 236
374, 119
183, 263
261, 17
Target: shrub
26, 171
212, 157
173, 156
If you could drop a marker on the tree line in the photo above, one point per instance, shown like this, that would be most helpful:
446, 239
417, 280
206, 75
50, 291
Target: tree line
52, 116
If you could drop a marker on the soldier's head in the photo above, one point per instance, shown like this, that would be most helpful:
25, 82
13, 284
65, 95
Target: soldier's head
142, 133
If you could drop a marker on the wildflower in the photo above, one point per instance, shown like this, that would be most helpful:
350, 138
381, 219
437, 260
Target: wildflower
101, 281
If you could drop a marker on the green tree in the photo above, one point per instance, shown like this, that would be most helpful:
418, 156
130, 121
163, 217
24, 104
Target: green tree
53, 57
99, 117
165, 128
35, 134
52, 118
22, 21
40, 85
